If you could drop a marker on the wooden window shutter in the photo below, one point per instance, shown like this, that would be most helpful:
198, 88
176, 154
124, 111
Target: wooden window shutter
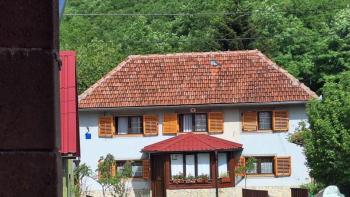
146, 169
170, 123
106, 126
282, 166
280, 121
150, 125
216, 122
114, 170
250, 121
241, 163
98, 171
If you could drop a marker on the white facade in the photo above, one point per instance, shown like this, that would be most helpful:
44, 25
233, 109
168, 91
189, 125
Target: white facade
259, 143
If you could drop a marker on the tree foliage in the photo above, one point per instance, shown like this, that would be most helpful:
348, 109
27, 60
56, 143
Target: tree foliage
327, 145
310, 39
81, 172
114, 184
246, 168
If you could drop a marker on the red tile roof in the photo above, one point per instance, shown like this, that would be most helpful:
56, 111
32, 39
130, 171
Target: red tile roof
193, 78
192, 142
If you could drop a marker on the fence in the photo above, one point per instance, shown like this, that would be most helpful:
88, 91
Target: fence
299, 192
254, 193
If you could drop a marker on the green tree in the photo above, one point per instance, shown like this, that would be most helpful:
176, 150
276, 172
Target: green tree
115, 184
327, 145
81, 172
245, 169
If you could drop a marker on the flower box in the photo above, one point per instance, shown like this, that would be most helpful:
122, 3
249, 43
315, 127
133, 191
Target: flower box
225, 179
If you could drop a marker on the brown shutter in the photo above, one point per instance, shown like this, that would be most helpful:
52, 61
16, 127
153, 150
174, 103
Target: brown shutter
146, 169
170, 123
216, 122
282, 166
106, 126
98, 170
241, 163
280, 120
250, 121
150, 125
114, 169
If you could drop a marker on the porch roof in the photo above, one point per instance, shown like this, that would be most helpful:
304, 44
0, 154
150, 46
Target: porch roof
191, 142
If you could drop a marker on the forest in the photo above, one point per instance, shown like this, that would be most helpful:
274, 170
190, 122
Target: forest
310, 39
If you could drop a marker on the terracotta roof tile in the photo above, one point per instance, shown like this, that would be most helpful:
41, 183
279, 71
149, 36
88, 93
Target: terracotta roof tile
190, 79
192, 142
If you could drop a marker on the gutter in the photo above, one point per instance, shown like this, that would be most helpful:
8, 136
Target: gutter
192, 106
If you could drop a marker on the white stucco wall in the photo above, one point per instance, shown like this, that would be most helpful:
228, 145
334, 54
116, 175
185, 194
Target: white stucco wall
276, 144
268, 143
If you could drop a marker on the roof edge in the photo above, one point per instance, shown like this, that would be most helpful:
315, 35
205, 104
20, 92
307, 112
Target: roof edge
88, 91
193, 53
287, 74
193, 105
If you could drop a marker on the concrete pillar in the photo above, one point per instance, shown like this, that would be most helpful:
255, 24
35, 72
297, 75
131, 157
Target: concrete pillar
29, 116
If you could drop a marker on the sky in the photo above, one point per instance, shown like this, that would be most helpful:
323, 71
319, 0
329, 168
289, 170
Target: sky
61, 6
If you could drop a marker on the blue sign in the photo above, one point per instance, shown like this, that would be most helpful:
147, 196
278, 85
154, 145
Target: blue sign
88, 136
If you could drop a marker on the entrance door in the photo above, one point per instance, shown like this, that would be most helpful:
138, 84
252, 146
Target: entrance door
158, 189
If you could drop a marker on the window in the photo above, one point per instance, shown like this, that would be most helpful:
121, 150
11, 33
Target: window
190, 165
129, 125
263, 165
222, 165
176, 164
193, 122
136, 168
265, 120
276, 120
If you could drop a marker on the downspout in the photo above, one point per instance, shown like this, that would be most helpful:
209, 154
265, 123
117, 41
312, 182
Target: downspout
216, 174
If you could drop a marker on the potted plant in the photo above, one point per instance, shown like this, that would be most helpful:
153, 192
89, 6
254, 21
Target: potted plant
177, 179
203, 178
225, 177
190, 179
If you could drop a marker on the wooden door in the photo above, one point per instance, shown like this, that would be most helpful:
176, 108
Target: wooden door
158, 189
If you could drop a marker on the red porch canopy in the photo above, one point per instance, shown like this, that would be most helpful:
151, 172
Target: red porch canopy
192, 142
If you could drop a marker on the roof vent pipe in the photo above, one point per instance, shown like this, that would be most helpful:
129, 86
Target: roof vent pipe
214, 63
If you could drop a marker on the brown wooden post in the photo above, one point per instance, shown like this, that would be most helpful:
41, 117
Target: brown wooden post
216, 174
29, 102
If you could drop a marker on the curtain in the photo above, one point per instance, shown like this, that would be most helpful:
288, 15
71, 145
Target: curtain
190, 166
203, 160
122, 125
176, 164
222, 164
187, 122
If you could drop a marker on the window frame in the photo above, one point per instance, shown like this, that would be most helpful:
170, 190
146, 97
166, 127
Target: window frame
258, 166
184, 172
116, 119
117, 162
271, 120
180, 116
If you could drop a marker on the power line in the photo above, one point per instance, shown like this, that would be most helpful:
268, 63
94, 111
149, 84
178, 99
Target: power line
198, 14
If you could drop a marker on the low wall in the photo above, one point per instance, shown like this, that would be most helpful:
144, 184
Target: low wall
131, 193
223, 192
228, 192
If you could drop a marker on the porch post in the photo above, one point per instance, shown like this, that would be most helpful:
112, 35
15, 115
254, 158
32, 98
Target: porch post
216, 174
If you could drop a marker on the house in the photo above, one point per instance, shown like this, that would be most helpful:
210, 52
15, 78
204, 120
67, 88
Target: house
185, 117
69, 149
